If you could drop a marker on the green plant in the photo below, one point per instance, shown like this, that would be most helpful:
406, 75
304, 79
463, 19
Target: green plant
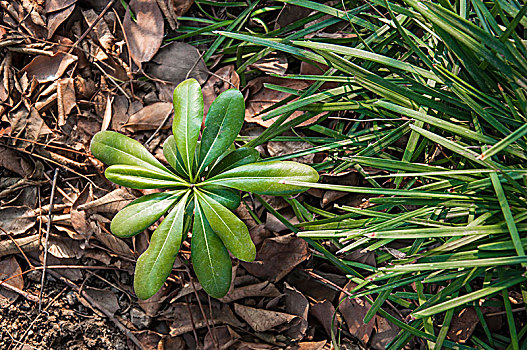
202, 184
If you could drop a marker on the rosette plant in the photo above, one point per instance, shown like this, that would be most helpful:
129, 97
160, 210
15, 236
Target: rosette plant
201, 186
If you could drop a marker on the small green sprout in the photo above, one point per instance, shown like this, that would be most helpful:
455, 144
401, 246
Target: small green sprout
202, 184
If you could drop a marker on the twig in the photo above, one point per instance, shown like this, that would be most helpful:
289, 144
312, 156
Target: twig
91, 26
30, 51
25, 294
48, 229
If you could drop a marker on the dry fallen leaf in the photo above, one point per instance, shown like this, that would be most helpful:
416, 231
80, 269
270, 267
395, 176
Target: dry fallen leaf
323, 312
262, 289
463, 325
222, 337
296, 303
48, 68
177, 62
178, 314
223, 79
17, 220
104, 297
63, 247
275, 63
262, 98
145, 35
262, 320
385, 332
110, 203
150, 117
66, 99
277, 257
353, 310
8, 269
12, 161
56, 18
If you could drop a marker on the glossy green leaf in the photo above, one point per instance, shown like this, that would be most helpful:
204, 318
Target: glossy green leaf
188, 116
210, 258
223, 123
173, 156
236, 158
142, 212
113, 148
155, 264
142, 178
232, 231
226, 196
267, 177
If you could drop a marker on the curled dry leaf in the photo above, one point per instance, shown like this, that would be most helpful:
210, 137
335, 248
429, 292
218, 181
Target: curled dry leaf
323, 312
105, 298
150, 117
277, 257
101, 30
66, 99
57, 5
145, 35
9, 268
48, 68
262, 320
63, 247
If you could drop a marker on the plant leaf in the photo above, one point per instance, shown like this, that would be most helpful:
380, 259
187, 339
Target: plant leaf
223, 123
173, 156
113, 148
236, 158
210, 258
188, 116
267, 177
141, 213
141, 178
232, 231
155, 264
226, 196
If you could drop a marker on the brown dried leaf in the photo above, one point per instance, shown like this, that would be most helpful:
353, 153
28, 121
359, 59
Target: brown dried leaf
101, 29
262, 289
218, 83
277, 257
353, 311
277, 148
79, 218
181, 6
314, 345
150, 117
66, 99
144, 36
8, 269
110, 203
178, 313
177, 62
224, 336
149, 339
114, 244
57, 5
12, 161
463, 325
296, 303
119, 109
48, 68
152, 305
105, 298
385, 332
262, 320
275, 63
323, 312
55, 19
17, 220
62, 247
